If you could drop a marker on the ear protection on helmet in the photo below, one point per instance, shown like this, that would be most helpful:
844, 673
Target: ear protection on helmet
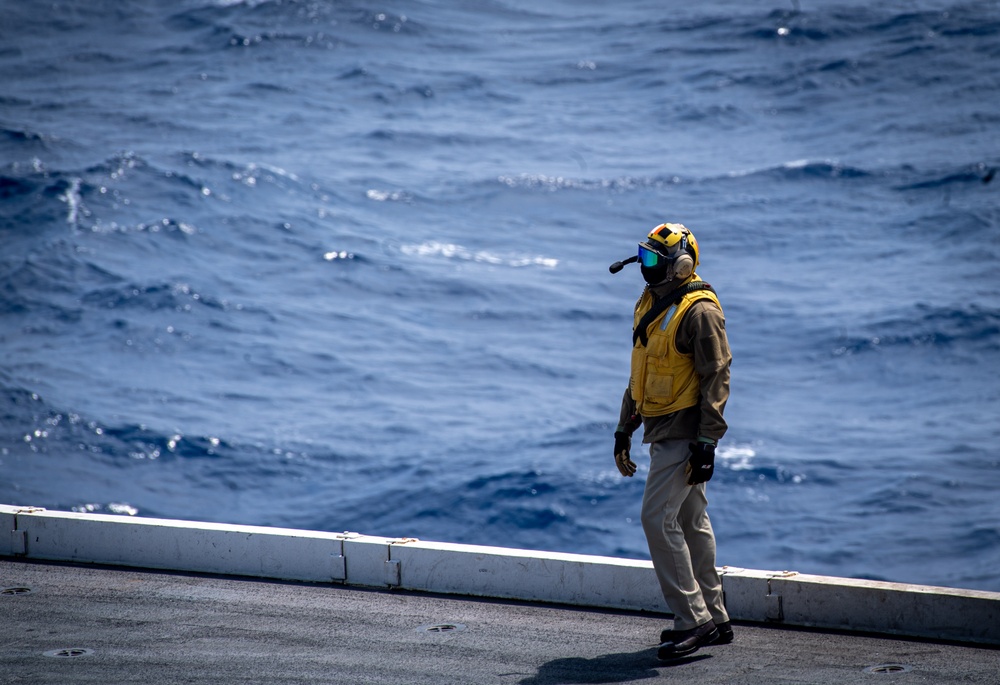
684, 263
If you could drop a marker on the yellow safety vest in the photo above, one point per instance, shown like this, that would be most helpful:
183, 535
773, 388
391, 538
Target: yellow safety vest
664, 380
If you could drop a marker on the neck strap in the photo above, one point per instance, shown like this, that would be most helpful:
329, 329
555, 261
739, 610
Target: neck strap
662, 305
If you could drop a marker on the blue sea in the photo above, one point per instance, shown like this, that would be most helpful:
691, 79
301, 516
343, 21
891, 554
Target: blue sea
343, 265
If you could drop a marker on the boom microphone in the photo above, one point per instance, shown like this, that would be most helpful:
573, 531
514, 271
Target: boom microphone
618, 266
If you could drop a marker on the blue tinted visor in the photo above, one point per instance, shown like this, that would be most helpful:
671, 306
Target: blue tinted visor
648, 258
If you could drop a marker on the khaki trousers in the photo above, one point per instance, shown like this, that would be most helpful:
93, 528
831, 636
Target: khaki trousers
680, 538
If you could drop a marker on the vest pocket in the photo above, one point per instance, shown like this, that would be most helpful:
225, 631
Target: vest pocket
659, 382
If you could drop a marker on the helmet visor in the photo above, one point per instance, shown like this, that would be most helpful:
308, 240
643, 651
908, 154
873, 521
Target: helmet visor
650, 258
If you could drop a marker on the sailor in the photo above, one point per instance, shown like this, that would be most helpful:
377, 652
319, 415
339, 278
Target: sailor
677, 392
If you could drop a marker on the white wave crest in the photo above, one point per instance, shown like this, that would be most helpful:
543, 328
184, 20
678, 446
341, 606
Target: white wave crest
435, 248
737, 458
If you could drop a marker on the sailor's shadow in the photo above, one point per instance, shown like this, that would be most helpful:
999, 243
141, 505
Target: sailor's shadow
608, 668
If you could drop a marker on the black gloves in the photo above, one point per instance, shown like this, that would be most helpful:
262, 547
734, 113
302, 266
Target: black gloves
623, 443
701, 464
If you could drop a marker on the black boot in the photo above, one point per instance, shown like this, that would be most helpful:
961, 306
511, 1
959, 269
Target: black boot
725, 634
688, 641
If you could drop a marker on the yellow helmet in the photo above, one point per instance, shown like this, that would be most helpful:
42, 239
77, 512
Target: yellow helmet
669, 252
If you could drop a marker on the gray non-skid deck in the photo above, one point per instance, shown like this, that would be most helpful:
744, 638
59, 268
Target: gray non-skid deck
87, 624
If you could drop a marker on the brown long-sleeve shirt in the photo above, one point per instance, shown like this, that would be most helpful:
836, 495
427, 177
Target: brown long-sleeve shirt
702, 333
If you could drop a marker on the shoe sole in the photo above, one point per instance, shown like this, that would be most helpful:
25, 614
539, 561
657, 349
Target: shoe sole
723, 639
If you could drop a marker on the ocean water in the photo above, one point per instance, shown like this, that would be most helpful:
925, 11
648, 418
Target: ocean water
342, 265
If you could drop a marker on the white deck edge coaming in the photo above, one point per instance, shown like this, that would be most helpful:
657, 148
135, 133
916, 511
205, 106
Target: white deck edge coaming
782, 597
